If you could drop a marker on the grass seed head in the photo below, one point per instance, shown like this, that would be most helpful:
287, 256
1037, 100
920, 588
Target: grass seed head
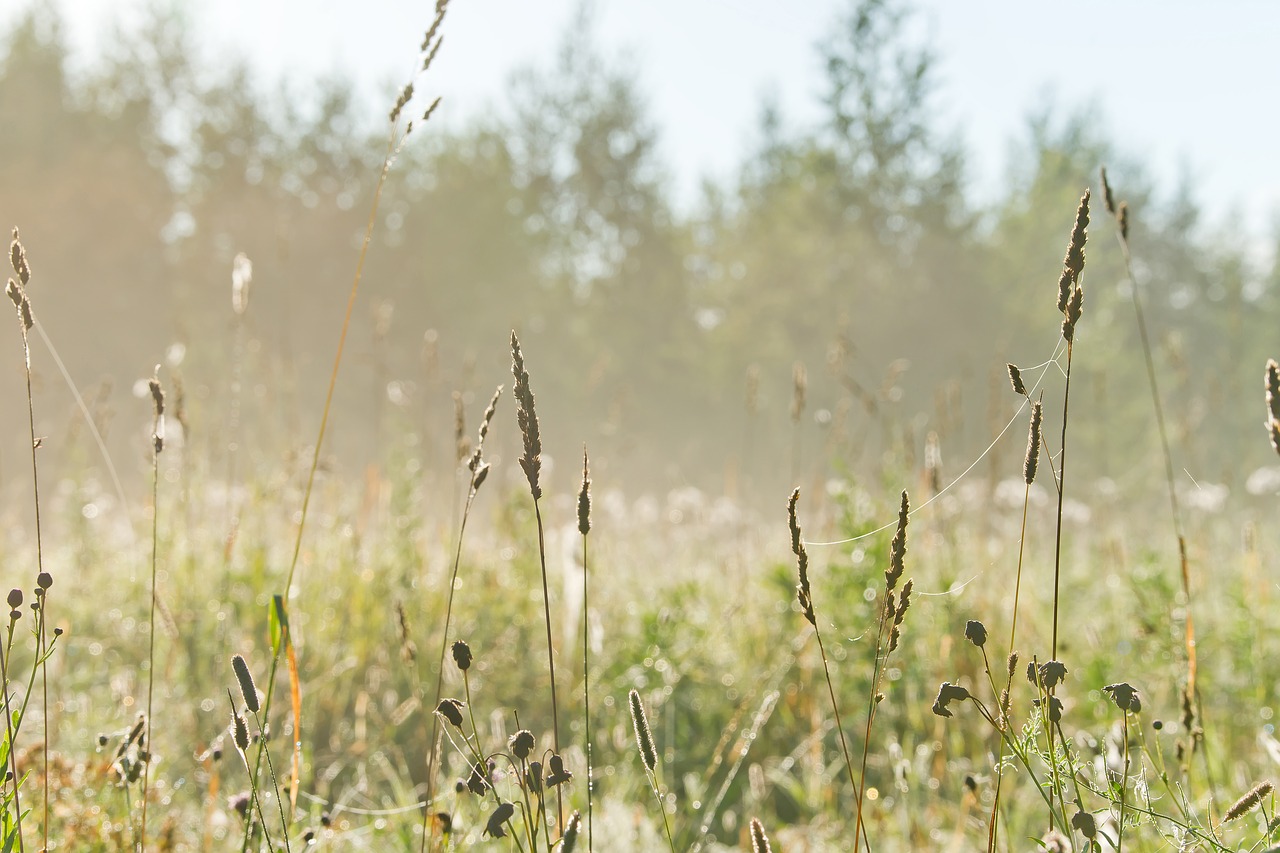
584, 497
1074, 261
759, 841
18, 260
1107, 197
527, 418
247, 688
1032, 460
239, 731
1075, 306
644, 736
569, 842
898, 548
803, 593
1248, 802
1015, 379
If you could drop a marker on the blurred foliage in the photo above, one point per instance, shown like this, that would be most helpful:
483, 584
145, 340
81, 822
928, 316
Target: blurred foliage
851, 244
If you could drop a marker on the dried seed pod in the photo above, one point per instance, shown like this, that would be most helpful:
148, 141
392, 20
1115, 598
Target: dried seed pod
451, 710
462, 655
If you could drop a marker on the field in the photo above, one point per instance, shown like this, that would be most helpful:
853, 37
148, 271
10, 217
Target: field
305, 620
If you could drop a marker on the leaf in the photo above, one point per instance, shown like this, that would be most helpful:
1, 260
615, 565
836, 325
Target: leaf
280, 634
279, 623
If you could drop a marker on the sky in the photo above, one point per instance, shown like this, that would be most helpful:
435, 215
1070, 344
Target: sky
1187, 88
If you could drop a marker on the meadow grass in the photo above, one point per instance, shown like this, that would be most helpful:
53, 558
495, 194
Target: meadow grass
699, 709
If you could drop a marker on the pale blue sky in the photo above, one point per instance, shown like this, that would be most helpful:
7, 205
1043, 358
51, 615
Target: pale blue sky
1181, 84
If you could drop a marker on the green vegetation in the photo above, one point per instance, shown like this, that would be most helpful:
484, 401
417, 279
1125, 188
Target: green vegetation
416, 650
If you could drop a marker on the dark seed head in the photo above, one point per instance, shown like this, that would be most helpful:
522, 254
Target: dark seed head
44, 580
522, 744
15, 598
451, 710
462, 655
248, 689
975, 633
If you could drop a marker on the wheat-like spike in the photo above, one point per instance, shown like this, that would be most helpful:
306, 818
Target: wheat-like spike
527, 418
759, 841
898, 548
1032, 460
247, 688
1245, 804
584, 497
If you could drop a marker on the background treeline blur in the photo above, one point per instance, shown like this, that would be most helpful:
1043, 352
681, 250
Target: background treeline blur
666, 338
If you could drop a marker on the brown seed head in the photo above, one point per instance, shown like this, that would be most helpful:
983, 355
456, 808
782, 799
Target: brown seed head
1246, 804
527, 418
1106, 192
239, 731
759, 841
803, 593
18, 260
1015, 379
584, 497
898, 548
1032, 460
1074, 261
1074, 307
1122, 217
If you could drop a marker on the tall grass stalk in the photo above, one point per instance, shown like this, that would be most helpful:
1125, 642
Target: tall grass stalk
804, 595
584, 527
1029, 468
479, 472
649, 756
396, 138
157, 447
17, 291
887, 632
531, 464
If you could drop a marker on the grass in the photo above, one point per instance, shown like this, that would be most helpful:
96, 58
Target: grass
703, 712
